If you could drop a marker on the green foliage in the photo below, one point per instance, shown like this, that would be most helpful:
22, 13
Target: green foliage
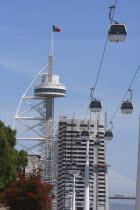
22, 161
29, 193
9, 156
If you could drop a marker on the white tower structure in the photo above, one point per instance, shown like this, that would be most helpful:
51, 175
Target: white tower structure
49, 88
34, 121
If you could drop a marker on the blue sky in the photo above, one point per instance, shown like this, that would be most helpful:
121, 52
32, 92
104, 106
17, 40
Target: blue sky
25, 39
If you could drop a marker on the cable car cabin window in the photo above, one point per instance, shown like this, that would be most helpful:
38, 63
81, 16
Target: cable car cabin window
95, 104
117, 29
108, 133
127, 105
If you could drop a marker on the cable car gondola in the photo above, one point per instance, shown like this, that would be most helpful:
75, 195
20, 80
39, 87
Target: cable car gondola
117, 32
95, 106
127, 107
84, 135
108, 135
97, 144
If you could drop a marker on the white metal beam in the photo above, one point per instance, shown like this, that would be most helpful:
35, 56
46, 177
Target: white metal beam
30, 118
30, 128
31, 139
28, 148
34, 97
28, 110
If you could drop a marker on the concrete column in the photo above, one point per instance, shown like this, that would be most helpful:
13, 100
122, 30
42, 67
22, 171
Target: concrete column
137, 205
73, 203
86, 187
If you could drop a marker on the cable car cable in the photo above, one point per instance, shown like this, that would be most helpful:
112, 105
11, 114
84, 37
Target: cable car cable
84, 119
111, 18
129, 88
104, 49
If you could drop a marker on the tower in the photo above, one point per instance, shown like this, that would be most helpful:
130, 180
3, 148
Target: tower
49, 88
35, 124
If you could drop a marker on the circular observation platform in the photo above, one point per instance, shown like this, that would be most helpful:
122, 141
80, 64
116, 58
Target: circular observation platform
50, 89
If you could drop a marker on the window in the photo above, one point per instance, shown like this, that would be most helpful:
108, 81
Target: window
76, 132
101, 150
72, 125
83, 125
101, 137
101, 192
50, 90
62, 123
103, 188
100, 126
101, 196
100, 133
101, 158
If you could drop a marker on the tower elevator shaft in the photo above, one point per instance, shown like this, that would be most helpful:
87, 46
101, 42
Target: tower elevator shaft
49, 106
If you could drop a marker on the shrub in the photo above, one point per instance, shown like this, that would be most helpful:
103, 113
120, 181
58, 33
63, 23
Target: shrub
28, 193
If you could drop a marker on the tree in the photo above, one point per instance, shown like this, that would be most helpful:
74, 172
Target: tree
9, 156
22, 161
29, 193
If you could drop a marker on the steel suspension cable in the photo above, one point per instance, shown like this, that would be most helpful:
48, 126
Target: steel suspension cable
84, 118
125, 94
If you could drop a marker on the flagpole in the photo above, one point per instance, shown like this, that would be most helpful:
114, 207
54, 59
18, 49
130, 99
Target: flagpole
52, 43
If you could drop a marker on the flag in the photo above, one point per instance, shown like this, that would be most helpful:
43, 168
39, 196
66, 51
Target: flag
55, 29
